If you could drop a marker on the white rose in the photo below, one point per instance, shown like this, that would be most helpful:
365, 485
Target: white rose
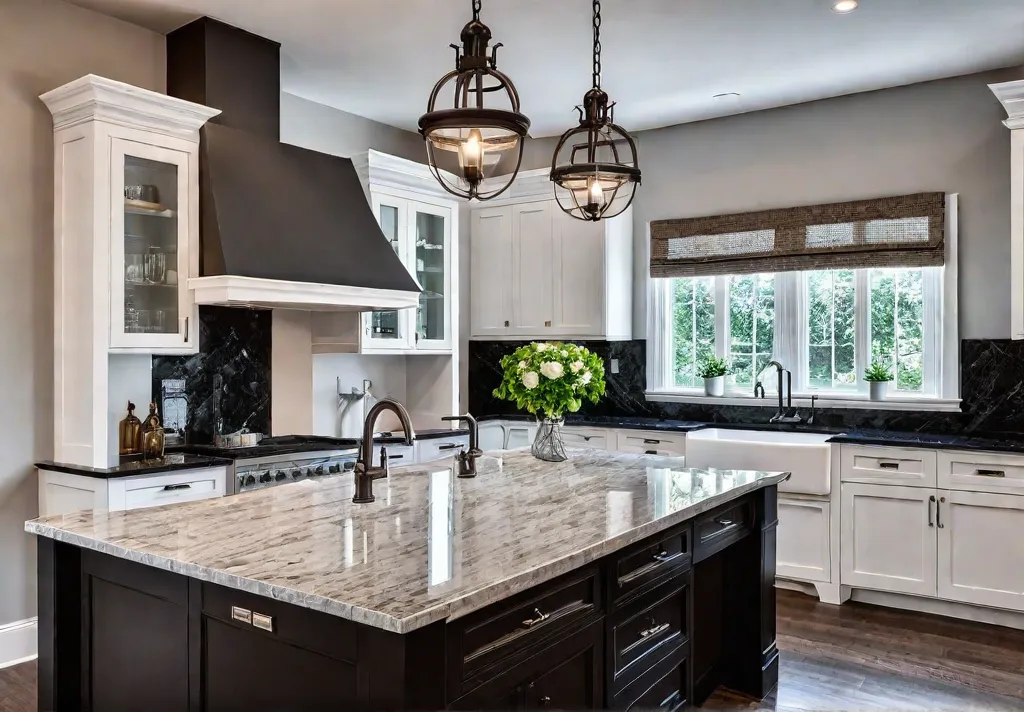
576, 366
565, 354
531, 380
522, 365
587, 375
541, 346
552, 369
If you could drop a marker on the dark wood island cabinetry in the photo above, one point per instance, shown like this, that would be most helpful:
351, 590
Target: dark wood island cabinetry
657, 623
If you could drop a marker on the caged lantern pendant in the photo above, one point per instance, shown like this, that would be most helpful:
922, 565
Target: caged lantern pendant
475, 134
594, 167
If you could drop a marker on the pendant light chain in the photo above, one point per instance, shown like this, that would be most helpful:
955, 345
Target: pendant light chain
476, 9
597, 43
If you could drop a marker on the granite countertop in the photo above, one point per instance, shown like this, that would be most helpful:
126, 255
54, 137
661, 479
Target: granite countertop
168, 463
431, 547
927, 440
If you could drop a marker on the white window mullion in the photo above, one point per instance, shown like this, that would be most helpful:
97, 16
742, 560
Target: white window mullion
790, 326
722, 341
861, 325
931, 332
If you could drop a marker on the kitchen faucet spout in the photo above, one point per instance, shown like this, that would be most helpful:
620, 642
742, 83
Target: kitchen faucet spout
365, 472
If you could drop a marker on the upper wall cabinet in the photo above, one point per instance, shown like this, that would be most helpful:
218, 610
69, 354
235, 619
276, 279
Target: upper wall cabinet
419, 220
1011, 94
538, 273
126, 219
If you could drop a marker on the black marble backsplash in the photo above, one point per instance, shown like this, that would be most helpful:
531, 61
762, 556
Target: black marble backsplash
992, 391
226, 386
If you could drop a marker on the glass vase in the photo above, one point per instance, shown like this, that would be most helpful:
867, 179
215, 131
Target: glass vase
548, 445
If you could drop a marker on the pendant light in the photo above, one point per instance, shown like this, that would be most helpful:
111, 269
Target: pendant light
594, 168
477, 135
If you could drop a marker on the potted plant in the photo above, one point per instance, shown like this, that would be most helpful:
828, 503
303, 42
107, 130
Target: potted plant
550, 380
713, 370
878, 376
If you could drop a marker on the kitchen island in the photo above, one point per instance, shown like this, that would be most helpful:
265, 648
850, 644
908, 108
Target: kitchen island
610, 580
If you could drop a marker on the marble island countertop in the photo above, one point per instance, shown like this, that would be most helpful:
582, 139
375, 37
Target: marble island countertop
431, 547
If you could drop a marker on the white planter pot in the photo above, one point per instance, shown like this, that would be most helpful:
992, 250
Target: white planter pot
878, 389
714, 386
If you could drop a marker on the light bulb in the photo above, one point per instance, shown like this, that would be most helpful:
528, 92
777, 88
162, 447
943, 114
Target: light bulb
596, 193
844, 6
471, 157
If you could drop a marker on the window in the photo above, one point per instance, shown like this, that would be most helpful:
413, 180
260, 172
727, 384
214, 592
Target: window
825, 326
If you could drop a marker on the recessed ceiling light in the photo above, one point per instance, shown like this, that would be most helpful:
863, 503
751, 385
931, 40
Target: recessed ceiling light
844, 6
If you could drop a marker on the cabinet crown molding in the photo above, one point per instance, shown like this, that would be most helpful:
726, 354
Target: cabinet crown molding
382, 170
1011, 96
94, 98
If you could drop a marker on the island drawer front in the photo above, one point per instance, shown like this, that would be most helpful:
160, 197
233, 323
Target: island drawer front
647, 630
981, 472
485, 643
652, 442
716, 530
319, 632
640, 568
912, 467
664, 686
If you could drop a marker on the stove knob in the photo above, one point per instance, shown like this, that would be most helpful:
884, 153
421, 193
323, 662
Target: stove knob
349, 466
266, 477
296, 474
280, 476
250, 480
319, 470
335, 468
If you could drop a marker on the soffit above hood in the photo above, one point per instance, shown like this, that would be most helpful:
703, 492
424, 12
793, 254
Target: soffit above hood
280, 225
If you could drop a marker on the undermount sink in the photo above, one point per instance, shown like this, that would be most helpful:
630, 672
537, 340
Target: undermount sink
806, 455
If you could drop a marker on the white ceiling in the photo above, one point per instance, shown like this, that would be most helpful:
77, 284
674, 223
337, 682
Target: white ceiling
663, 59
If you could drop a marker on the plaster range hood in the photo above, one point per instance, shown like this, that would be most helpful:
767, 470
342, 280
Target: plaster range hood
280, 226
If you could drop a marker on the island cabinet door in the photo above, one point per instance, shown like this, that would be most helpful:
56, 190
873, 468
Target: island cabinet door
565, 675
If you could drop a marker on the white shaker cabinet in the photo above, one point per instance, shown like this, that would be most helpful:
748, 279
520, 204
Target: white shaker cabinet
1011, 95
126, 218
538, 273
888, 538
981, 552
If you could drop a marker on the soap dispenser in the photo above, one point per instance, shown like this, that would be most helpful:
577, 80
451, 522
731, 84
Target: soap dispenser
129, 434
152, 435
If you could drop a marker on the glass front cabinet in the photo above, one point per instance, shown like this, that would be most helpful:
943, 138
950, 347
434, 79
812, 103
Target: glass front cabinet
421, 234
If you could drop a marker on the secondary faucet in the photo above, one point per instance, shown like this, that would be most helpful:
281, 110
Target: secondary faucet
365, 472
467, 460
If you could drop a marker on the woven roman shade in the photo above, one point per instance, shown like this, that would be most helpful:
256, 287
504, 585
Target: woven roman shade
902, 231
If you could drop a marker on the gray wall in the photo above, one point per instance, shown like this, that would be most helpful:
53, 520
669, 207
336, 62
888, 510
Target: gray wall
323, 128
43, 44
945, 135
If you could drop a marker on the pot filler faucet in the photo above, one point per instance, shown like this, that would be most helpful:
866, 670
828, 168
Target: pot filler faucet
786, 413
365, 472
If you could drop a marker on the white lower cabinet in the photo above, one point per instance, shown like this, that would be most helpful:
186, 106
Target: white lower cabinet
440, 448
888, 539
599, 438
492, 436
803, 543
981, 551
519, 434
651, 442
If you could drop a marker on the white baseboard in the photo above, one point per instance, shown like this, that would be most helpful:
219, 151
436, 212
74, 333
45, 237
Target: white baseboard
18, 642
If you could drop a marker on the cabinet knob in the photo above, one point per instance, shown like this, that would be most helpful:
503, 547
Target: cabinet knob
547, 323
545, 701
506, 322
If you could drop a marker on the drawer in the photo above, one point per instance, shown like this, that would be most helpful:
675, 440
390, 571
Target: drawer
399, 455
642, 567
891, 465
169, 488
439, 448
586, 437
665, 686
647, 629
319, 632
651, 443
981, 472
487, 642
719, 529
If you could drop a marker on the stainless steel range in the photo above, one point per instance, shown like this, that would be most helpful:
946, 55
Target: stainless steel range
272, 470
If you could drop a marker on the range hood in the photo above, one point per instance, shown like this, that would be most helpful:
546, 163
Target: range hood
280, 226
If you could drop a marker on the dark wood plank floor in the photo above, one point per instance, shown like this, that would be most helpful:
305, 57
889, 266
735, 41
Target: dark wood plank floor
850, 657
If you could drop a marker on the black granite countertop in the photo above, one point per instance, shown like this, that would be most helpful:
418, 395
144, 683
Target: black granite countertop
927, 440
168, 463
296, 445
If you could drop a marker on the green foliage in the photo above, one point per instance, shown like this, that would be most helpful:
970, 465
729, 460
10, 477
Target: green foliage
712, 367
877, 371
550, 379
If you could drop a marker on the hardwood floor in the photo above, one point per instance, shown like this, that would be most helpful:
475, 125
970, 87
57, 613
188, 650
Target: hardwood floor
850, 657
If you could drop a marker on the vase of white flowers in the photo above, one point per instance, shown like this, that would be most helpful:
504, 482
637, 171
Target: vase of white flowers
550, 380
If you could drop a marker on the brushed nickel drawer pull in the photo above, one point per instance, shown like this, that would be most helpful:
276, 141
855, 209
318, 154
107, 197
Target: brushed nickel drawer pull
242, 615
541, 617
990, 473
889, 465
263, 622
655, 630
663, 556
722, 521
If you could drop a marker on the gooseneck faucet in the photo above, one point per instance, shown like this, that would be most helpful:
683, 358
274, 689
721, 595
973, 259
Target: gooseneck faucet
365, 472
467, 460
